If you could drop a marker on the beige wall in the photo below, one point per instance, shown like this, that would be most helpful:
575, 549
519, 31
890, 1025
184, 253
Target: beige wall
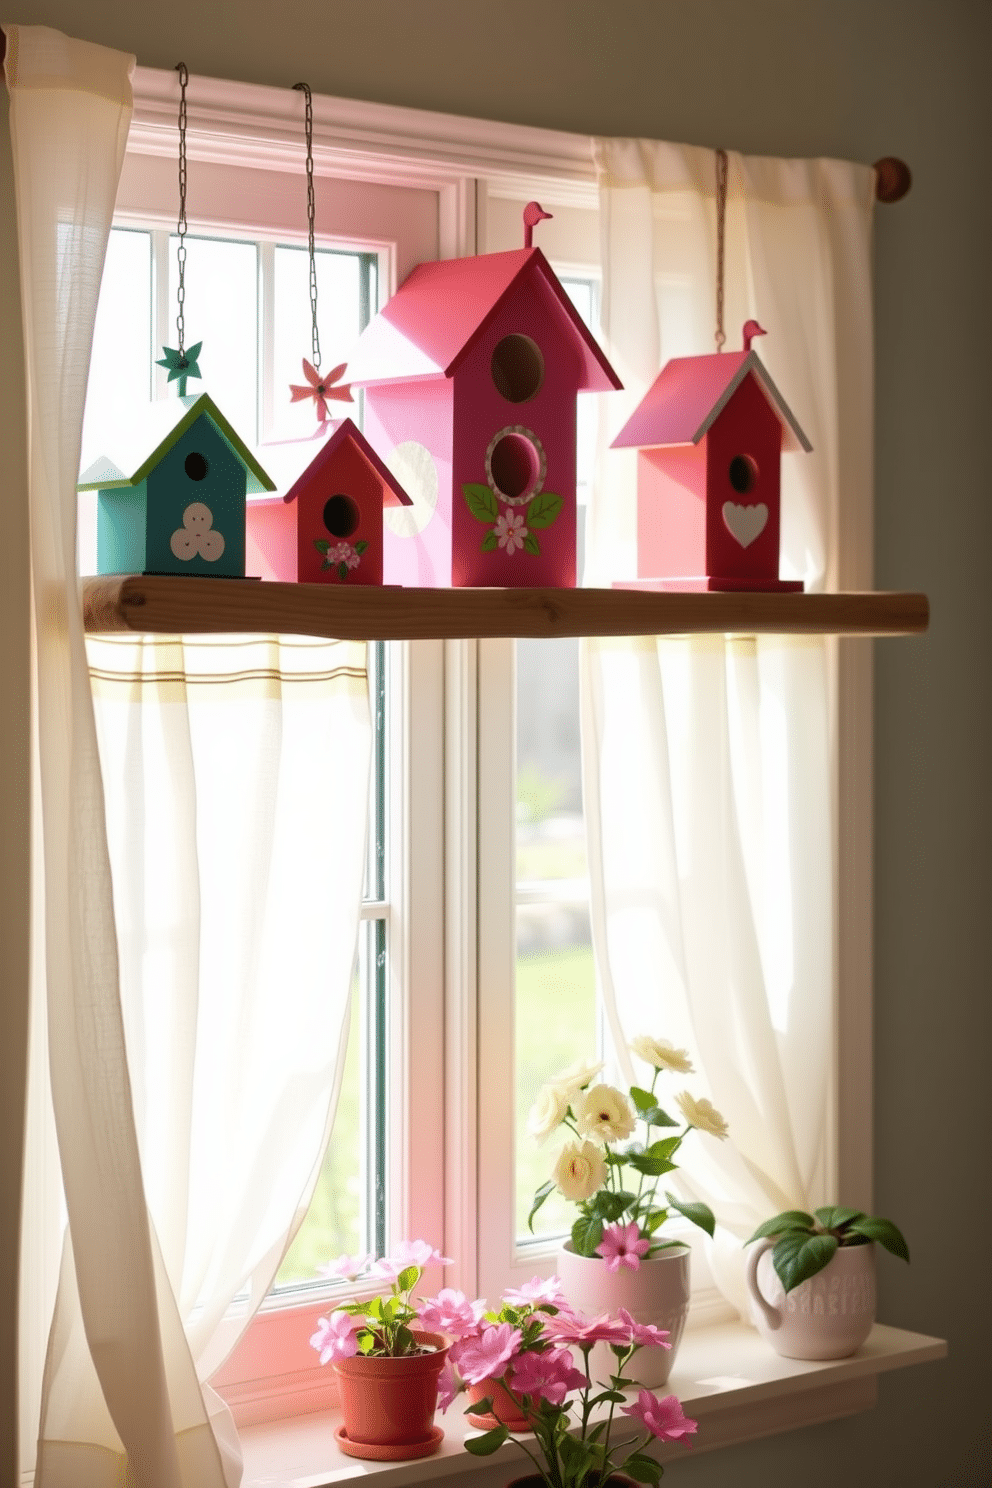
855, 78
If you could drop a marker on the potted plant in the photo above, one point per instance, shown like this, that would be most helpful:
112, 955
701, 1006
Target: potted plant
621, 1144
387, 1363
814, 1297
526, 1349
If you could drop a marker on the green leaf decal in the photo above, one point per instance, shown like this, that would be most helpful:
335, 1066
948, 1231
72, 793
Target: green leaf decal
360, 547
587, 1232
542, 511
798, 1257
342, 570
321, 544
699, 1214
531, 544
482, 502
489, 542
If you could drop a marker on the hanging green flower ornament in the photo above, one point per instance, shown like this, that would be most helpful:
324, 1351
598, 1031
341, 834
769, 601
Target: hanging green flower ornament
181, 364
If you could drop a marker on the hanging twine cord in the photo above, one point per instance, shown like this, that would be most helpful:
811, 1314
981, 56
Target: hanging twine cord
181, 225
721, 215
304, 88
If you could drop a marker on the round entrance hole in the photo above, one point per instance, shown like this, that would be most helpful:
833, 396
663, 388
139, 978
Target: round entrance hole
195, 466
517, 368
743, 474
515, 466
341, 515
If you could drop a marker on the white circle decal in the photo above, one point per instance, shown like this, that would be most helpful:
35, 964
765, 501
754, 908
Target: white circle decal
413, 466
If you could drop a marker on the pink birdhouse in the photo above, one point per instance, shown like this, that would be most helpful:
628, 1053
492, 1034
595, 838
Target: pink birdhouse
327, 528
471, 374
709, 433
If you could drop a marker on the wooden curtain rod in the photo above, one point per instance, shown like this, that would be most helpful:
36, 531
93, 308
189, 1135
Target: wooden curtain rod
893, 177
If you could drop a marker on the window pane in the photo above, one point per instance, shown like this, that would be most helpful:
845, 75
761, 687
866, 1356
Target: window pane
120, 380
221, 310
341, 314
555, 978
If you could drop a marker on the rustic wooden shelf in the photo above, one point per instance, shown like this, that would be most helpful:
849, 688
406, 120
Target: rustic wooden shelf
177, 605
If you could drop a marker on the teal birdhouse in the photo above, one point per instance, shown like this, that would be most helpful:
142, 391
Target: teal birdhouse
171, 499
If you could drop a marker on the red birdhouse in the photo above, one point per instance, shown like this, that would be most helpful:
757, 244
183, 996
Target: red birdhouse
327, 528
471, 374
709, 433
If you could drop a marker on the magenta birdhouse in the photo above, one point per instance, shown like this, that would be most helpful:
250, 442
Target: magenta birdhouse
327, 527
471, 374
709, 433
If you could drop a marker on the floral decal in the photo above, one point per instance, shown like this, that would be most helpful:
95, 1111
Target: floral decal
511, 530
340, 555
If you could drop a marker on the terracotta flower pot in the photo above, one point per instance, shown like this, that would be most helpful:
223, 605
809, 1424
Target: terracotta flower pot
657, 1292
388, 1404
507, 1409
827, 1317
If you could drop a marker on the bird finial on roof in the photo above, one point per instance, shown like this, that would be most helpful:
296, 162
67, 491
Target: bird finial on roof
533, 214
752, 329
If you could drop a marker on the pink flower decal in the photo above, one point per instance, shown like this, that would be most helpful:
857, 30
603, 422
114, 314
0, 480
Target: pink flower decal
451, 1312
621, 1245
547, 1376
320, 388
644, 1334
664, 1419
572, 1327
486, 1355
534, 1293
335, 1337
510, 531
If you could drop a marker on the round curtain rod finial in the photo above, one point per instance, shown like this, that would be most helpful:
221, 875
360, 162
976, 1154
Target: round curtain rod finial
893, 178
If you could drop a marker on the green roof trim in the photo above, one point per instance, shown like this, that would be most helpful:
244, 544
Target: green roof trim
95, 478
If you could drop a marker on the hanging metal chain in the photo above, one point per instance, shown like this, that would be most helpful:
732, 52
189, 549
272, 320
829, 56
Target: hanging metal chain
304, 88
181, 225
721, 215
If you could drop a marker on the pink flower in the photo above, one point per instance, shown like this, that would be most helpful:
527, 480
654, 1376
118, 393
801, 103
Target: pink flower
644, 1334
451, 1312
335, 1336
409, 1253
621, 1245
663, 1418
485, 1355
447, 1385
510, 531
547, 1376
346, 1265
572, 1327
353, 559
533, 1293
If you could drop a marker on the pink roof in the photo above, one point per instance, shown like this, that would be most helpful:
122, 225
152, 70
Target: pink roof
344, 429
438, 313
689, 393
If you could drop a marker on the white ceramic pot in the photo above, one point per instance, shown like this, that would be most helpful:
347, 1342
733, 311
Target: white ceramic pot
657, 1292
827, 1317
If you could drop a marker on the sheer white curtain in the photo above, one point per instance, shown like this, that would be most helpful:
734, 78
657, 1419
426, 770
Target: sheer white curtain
710, 764
216, 1076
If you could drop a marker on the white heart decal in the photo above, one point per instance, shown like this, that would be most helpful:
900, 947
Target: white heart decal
745, 523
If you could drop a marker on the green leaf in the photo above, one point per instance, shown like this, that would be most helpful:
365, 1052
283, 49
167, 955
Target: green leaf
405, 1343
643, 1099
321, 544
798, 1257
342, 570
664, 1147
482, 502
609, 1205
479, 1407
655, 1220
652, 1166
489, 542
488, 1443
643, 1469
882, 1230
542, 511
545, 1190
587, 1232
360, 546
699, 1214
408, 1278
573, 1454
531, 544
614, 1395
834, 1218
374, 1309
789, 1221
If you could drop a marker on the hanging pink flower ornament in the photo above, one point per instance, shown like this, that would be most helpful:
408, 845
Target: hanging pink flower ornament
321, 388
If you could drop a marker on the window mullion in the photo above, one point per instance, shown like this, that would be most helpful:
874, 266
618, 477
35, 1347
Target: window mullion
266, 338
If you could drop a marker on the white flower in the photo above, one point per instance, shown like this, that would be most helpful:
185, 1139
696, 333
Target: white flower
574, 1076
510, 531
661, 1054
579, 1171
605, 1114
547, 1112
701, 1115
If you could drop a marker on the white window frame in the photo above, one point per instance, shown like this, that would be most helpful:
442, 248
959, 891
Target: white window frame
451, 926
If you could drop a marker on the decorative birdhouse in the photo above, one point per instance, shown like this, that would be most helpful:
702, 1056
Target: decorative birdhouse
709, 433
471, 374
171, 497
327, 528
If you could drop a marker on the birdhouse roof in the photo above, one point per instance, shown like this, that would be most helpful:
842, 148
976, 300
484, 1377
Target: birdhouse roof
342, 431
439, 312
144, 440
690, 393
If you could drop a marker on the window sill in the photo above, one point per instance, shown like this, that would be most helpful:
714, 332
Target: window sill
726, 1377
